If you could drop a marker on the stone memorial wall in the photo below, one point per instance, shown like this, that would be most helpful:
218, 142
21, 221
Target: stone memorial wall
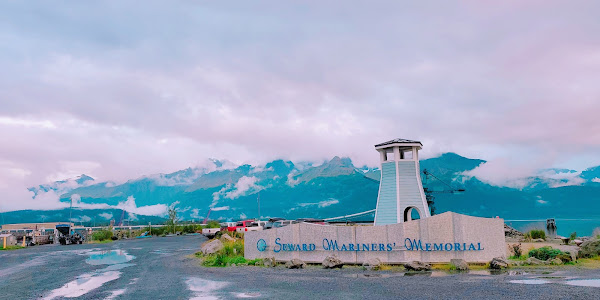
436, 239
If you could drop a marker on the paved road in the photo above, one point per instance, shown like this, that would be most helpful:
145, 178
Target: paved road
160, 268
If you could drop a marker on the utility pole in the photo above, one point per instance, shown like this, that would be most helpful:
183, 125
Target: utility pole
258, 200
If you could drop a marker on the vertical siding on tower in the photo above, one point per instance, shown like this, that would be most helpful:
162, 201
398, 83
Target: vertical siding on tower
410, 193
386, 204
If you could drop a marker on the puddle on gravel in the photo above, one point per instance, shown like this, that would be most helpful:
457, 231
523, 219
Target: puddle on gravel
399, 274
204, 289
530, 281
584, 282
83, 284
114, 294
109, 257
246, 295
115, 259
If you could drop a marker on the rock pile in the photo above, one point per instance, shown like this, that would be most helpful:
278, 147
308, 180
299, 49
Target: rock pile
460, 264
211, 247
512, 233
332, 262
589, 248
269, 262
372, 264
295, 264
417, 266
498, 263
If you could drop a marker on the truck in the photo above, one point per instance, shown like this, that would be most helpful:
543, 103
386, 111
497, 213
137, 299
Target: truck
210, 232
67, 236
247, 225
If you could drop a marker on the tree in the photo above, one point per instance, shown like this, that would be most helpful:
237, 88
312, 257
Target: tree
172, 216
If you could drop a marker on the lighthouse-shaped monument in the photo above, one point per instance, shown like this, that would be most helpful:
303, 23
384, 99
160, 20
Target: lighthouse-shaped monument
400, 188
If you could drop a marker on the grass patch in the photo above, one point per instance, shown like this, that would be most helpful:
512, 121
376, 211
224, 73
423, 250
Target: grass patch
441, 267
9, 248
589, 263
232, 253
102, 235
521, 257
100, 242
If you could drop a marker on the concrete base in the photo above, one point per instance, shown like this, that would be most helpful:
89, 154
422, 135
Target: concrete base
436, 239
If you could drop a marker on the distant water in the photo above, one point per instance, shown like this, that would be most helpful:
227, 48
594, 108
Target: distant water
583, 227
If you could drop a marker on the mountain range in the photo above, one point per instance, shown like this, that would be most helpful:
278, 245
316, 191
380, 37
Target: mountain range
332, 188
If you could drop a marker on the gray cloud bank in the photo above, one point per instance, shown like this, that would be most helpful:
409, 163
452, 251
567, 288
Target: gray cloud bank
119, 89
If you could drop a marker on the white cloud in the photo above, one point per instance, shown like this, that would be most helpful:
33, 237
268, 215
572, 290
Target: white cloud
220, 208
107, 216
244, 185
314, 106
596, 180
321, 204
83, 219
195, 214
291, 181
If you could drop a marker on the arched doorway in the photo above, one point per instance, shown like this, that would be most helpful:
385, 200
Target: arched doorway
411, 213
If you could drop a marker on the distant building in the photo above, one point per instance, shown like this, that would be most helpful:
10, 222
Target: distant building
7, 239
30, 227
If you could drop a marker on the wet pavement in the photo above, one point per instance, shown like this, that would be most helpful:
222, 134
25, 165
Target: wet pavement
161, 268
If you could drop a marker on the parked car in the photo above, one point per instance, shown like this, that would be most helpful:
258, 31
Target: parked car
246, 226
271, 221
240, 224
210, 232
282, 223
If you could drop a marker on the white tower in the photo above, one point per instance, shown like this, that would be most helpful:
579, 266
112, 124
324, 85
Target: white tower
400, 188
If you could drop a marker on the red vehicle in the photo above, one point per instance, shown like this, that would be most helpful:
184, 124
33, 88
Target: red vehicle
240, 224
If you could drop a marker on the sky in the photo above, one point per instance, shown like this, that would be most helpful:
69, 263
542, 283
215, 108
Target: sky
118, 90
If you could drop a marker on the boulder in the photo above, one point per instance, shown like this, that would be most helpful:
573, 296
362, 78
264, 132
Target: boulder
372, 264
538, 240
512, 233
417, 266
211, 247
578, 242
460, 264
295, 264
226, 238
532, 261
516, 263
269, 262
556, 261
565, 258
589, 248
498, 263
332, 262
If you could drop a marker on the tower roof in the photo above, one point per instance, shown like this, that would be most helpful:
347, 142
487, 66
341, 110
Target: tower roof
398, 141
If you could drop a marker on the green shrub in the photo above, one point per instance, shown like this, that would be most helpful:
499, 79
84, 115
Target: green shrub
545, 253
190, 228
537, 234
213, 224
102, 235
158, 231
573, 235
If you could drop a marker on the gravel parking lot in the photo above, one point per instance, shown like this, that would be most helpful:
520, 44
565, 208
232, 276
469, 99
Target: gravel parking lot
161, 268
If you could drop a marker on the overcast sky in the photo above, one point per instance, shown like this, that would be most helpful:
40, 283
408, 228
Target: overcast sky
121, 89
